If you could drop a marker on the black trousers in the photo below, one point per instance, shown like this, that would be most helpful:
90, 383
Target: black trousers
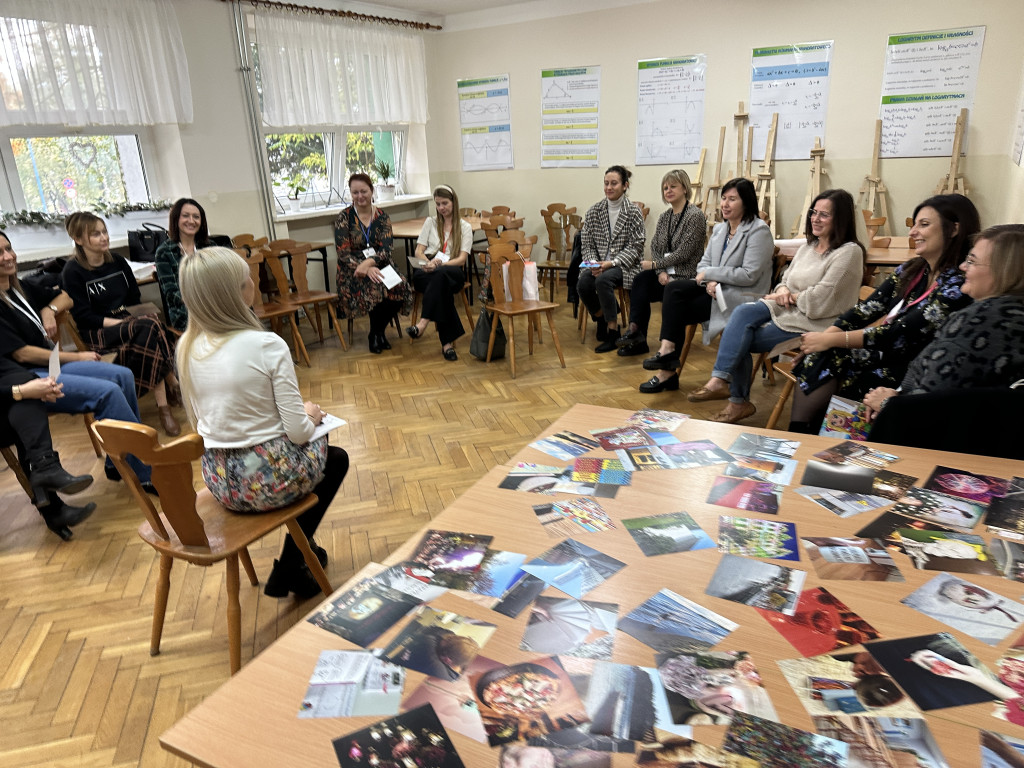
685, 302
439, 289
334, 472
381, 315
645, 291
27, 424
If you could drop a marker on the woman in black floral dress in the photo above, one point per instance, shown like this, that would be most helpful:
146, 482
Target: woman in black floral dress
855, 355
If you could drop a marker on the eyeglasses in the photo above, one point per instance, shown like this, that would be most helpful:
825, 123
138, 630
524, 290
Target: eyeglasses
970, 261
825, 215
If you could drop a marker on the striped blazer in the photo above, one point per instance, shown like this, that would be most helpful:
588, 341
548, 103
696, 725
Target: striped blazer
624, 247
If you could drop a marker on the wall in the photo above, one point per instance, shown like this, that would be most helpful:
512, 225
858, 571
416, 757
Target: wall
726, 30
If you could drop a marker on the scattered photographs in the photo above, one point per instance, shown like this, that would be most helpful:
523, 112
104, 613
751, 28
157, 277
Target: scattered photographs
439, 643
363, 613
842, 503
669, 622
573, 568
822, 624
453, 700
537, 478
936, 670
966, 485
568, 518
1006, 513
883, 528
1001, 751
644, 458
838, 477
857, 453
621, 437
946, 551
411, 578
748, 495
650, 418
971, 609
524, 756
891, 485
698, 453
754, 537
756, 583
523, 591
415, 737
1011, 674
1008, 558
675, 752
851, 559
778, 471
846, 419
763, 447
930, 506
568, 627
882, 741
352, 683
496, 575
565, 445
665, 534
846, 683
774, 745
706, 688
522, 701
594, 471
449, 554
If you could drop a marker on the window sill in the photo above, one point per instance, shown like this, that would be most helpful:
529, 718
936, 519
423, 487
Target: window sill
331, 211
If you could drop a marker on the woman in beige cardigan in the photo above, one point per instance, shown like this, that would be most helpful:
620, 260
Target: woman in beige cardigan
823, 281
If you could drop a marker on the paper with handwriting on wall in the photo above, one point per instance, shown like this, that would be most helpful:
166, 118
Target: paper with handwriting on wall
390, 277
329, 423
55, 361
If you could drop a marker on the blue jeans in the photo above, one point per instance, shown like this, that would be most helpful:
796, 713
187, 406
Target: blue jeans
749, 329
105, 389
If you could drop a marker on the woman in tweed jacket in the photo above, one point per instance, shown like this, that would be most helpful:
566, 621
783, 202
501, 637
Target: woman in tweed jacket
613, 237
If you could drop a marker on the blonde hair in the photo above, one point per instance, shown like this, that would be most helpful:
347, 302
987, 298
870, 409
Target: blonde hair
1006, 257
79, 225
447, 193
680, 177
211, 281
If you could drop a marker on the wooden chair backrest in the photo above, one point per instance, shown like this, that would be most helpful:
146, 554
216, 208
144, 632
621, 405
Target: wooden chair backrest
492, 225
498, 210
643, 208
66, 328
779, 263
516, 257
299, 259
272, 258
464, 212
576, 222
172, 476
253, 258
514, 236
248, 241
557, 220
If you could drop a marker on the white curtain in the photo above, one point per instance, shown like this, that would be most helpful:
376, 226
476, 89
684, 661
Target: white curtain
320, 72
92, 62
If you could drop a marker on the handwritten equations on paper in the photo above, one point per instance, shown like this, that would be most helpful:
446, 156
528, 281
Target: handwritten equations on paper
570, 110
485, 120
670, 110
792, 80
929, 77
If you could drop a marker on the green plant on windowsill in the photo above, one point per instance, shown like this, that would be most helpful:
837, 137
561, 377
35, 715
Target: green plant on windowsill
296, 186
383, 170
56, 220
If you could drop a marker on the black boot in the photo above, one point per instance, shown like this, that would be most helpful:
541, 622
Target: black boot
48, 475
602, 329
284, 579
60, 517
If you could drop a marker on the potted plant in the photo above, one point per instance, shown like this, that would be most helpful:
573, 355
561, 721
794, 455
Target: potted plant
385, 187
296, 186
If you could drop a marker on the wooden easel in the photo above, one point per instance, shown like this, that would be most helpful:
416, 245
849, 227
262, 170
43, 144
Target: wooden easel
954, 181
873, 191
813, 187
714, 190
740, 120
697, 182
765, 184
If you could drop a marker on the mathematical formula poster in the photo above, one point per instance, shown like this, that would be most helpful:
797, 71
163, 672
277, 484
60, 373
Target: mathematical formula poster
485, 121
792, 80
670, 110
929, 77
570, 101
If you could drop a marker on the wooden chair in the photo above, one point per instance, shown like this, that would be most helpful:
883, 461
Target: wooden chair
622, 297
273, 311
501, 253
192, 526
643, 209
498, 210
298, 292
558, 222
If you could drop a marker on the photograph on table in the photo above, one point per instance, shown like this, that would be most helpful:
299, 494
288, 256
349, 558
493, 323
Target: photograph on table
860, 454
774, 745
411, 578
1008, 557
706, 687
526, 756
883, 528
1005, 516
415, 737
621, 437
573, 568
857, 479
668, 622
453, 700
565, 445
754, 537
763, 447
696, 453
569, 518
352, 684
668, 533
966, 485
973, 610
850, 559
883, 741
1001, 751
521, 701
748, 495
594, 471
498, 571
937, 671
522, 592
651, 418
933, 507
946, 551
778, 471
847, 419
363, 613
846, 683
538, 478
675, 752
568, 627
644, 459
822, 624
842, 503
756, 583
450, 554
439, 643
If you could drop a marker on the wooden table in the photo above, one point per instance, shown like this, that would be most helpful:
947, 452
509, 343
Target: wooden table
251, 720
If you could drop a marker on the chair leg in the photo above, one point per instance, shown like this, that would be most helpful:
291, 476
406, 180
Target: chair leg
512, 344
780, 404
350, 324
333, 319
319, 323
417, 305
300, 347
12, 461
467, 299
234, 614
691, 331
314, 565
163, 588
581, 325
89, 419
490, 339
531, 322
250, 571
554, 336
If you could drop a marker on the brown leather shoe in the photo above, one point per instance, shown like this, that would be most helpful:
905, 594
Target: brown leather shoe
746, 410
703, 394
168, 422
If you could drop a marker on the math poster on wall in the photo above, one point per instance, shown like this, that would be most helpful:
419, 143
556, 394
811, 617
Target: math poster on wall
485, 123
792, 80
1017, 153
929, 77
670, 110
570, 101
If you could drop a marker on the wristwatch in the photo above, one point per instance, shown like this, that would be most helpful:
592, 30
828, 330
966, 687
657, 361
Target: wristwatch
53, 309
16, 392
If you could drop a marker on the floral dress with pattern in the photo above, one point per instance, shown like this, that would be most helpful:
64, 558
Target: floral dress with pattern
358, 295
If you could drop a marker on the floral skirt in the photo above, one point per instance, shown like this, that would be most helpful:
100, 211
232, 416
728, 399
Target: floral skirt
265, 476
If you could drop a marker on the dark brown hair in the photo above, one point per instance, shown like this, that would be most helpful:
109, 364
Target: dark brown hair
953, 210
202, 236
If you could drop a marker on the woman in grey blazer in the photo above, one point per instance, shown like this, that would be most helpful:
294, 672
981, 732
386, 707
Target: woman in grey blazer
736, 268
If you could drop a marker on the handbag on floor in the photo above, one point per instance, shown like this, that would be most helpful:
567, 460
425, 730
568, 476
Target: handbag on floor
482, 336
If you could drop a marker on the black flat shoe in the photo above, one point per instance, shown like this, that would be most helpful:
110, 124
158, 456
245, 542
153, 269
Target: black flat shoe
413, 332
383, 341
667, 362
375, 346
320, 552
654, 384
630, 338
635, 348
601, 332
449, 354
608, 345
299, 580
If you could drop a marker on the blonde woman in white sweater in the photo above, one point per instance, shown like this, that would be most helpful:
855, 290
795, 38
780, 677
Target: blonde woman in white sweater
822, 282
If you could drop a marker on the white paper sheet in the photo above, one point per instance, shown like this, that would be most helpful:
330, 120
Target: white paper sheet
391, 278
55, 361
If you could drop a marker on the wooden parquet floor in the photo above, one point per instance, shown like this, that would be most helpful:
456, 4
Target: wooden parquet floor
77, 684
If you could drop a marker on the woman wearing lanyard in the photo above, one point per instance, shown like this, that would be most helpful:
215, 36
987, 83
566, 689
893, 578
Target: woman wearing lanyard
362, 235
675, 251
445, 248
855, 354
